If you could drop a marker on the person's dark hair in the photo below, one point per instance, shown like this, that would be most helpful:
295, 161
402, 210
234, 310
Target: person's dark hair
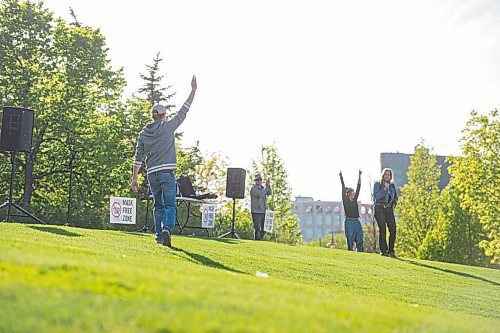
382, 175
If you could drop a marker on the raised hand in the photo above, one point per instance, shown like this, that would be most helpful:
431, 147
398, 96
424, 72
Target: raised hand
194, 84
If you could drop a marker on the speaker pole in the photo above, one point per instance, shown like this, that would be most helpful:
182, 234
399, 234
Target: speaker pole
12, 163
9, 203
231, 233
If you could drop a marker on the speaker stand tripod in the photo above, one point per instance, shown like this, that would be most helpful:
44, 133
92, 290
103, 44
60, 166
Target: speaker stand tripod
231, 233
9, 204
148, 197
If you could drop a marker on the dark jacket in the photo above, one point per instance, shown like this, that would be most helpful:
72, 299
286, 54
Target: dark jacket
382, 197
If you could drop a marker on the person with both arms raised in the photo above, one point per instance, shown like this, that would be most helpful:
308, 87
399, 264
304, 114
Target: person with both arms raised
352, 225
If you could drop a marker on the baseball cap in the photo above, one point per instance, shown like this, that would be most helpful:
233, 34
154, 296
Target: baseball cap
348, 190
257, 177
159, 109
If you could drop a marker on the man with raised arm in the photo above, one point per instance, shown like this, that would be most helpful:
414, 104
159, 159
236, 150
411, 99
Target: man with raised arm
156, 147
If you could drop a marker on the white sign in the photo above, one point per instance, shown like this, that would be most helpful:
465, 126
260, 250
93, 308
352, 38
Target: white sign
207, 215
122, 210
269, 221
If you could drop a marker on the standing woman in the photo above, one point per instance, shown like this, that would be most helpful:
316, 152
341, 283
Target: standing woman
386, 198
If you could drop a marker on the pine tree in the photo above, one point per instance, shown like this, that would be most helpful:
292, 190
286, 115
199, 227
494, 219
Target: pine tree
152, 88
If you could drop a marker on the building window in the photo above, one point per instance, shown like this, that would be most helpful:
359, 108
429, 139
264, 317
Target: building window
337, 224
309, 233
328, 220
319, 221
309, 220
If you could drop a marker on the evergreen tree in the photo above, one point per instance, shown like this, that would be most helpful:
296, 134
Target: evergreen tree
152, 88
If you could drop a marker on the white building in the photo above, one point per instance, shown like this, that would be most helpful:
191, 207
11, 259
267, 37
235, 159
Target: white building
318, 218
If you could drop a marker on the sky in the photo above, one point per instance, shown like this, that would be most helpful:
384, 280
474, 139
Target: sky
331, 83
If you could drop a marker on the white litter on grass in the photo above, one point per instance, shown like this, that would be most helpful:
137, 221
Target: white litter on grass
415, 305
262, 275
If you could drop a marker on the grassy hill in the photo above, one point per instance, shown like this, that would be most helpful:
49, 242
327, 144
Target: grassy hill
58, 279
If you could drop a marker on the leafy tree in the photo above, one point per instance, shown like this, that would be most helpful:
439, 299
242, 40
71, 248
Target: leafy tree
419, 203
270, 166
211, 174
63, 72
188, 159
457, 235
476, 175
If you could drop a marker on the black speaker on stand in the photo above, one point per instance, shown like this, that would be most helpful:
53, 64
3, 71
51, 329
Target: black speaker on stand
16, 136
235, 189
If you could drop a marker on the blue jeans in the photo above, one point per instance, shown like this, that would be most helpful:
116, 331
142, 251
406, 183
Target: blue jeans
354, 234
163, 187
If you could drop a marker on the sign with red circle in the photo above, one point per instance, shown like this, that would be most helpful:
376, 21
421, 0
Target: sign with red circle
122, 210
116, 209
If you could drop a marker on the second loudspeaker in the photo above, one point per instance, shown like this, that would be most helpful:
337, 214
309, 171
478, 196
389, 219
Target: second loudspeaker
235, 185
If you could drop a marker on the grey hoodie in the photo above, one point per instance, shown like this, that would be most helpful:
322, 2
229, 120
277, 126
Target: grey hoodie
156, 143
258, 200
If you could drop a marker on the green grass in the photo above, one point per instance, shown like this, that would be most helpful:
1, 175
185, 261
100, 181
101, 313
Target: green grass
58, 279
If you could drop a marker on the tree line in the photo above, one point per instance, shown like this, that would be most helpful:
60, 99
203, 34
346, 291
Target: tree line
461, 223
62, 71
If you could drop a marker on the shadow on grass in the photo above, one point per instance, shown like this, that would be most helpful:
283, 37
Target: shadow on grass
222, 240
56, 231
466, 275
137, 233
199, 259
